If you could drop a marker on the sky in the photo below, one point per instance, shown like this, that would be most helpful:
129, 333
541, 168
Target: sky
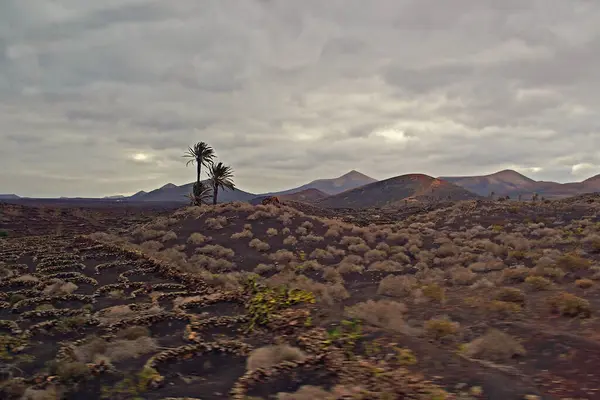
103, 97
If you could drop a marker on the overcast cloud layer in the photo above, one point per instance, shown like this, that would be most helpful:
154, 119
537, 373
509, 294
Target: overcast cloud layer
289, 91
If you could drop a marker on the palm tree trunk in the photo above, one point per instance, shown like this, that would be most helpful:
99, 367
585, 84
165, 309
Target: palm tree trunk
198, 170
215, 191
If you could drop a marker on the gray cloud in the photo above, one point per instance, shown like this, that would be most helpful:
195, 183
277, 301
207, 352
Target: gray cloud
288, 92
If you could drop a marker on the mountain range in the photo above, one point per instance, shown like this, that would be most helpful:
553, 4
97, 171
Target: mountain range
513, 184
356, 190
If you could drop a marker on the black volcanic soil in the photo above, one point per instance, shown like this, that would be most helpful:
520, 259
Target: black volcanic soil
462, 269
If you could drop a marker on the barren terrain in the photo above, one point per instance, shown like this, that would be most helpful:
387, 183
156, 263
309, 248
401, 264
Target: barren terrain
467, 300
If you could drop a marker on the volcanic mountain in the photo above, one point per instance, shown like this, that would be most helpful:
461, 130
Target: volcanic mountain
396, 191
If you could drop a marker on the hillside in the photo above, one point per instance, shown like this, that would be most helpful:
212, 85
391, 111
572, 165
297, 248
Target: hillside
350, 180
394, 191
503, 182
9, 197
514, 184
305, 196
171, 193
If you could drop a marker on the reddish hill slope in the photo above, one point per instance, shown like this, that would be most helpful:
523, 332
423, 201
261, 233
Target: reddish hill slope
394, 191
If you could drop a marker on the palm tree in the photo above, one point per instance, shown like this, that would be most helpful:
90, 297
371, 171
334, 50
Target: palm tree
201, 154
220, 176
201, 194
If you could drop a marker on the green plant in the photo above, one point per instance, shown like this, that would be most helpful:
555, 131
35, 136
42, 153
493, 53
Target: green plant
11, 345
132, 386
3, 234
266, 301
346, 335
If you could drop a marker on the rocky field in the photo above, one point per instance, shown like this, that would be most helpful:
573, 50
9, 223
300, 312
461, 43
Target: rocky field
467, 300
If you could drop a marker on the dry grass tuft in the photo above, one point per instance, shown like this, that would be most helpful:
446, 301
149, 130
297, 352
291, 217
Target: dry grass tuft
197, 238
397, 286
269, 356
569, 305
385, 314
259, 245
216, 223
495, 346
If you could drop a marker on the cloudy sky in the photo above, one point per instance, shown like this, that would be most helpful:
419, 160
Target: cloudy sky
103, 97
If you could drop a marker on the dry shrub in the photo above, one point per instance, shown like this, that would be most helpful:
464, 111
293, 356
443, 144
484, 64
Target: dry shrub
272, 232
399, 238
487, 266
352, 240
290, 241
446, 250
375, 255
285, 218
264, 268
197, 238
216, 250
310, 238
359, 248
258, 215
495, 346
268, 356
593, 243
504, 308
352, 259
151, 246
515, 275
310, 265
60, 288
26, 278
173, 256
385, 314
573, 262
245, 234
397, 286
331, 274
434, 292
584, 283
286, 231
383, 246
259, 245
440, 328
282, 256
386, 266
347, 268
569, 305
248, 227
211, 264
216, 223
116, 313
301, 231
321, 254
170, 235
512, 295
335, 251
332, 232
482, 284
117, 350
143, 233
307, 224
460, 276
538, 283
400, 257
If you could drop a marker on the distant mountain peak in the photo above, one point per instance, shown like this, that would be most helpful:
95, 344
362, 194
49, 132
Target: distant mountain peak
354, 174
169, 186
